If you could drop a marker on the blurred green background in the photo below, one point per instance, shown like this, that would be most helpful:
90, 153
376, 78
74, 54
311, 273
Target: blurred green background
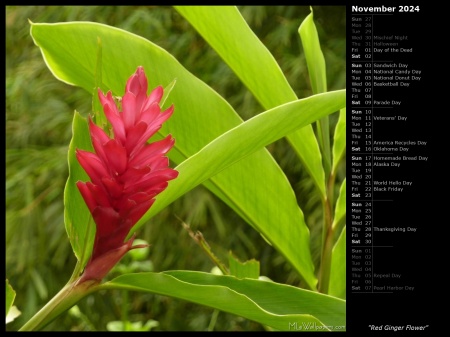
39, 111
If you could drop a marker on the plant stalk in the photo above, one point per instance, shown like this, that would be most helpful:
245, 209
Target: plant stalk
325, 265
69, 295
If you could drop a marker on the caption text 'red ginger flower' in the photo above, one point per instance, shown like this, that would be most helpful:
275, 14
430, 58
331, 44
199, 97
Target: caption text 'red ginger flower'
126, 172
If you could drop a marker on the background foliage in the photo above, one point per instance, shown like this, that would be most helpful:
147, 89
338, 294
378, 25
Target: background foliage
39, 111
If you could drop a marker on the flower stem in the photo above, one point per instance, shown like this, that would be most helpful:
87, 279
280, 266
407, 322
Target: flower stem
70, 294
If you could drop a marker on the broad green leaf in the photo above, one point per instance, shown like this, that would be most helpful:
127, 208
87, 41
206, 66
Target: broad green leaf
224, 28
337, 285
339, 144
9, 297
256, 188
276, 305
317, 74
247, 269
240, 142
243, 140
77, 218
329, 310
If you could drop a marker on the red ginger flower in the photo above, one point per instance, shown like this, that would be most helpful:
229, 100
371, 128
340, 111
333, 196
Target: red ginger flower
126, 172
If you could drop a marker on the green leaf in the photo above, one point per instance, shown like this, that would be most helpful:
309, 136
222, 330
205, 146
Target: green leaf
247, 269
240, 142
279, 306
337, 285
10, 296
11, 311
245, 139
256, 188
317, 74
224, 28
339, 140
79, 224
313, 54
